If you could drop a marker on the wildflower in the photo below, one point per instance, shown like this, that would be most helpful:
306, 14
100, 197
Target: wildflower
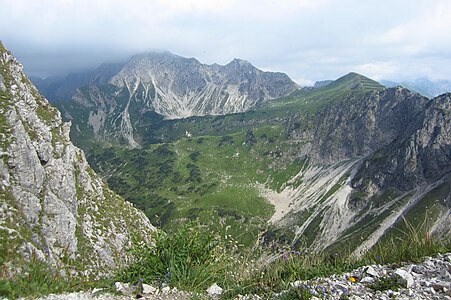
284, 256
353, 279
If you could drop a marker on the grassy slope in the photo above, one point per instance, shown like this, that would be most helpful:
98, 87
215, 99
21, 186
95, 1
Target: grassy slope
211, 178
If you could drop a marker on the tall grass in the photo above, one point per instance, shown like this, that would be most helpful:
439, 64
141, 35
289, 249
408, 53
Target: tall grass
193, 258
411, 243
36, 278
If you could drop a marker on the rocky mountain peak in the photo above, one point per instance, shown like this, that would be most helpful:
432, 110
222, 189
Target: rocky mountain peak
54, 207
237, 62
174, 87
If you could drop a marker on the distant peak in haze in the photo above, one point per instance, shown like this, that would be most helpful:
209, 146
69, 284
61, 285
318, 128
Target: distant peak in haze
424, 86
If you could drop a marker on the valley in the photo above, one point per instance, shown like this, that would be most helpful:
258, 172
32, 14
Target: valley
316, 182
307, 169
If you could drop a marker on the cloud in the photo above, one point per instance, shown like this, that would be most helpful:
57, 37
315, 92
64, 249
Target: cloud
429, 30
377, 70
308, 39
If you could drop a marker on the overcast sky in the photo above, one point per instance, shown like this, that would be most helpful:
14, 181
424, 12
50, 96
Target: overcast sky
307, 39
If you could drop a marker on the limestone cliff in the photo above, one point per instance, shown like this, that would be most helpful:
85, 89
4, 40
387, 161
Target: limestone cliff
53, 206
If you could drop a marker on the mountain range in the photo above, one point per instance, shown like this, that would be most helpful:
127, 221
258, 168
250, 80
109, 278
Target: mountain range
166, 84
245, 152
339, 163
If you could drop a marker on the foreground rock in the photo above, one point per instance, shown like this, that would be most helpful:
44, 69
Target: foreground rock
54, 207
427, 280
152, 293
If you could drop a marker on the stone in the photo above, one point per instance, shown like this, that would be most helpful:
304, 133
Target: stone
123, 288
148, 289
418, 269
404, 278
439, 286
96, 290
444, 274
370, 271
214, 290
429, 263
367, 280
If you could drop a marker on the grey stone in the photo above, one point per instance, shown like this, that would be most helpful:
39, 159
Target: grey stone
123, 288
148, 289
370, 271
404, 278
214, 290
367, 280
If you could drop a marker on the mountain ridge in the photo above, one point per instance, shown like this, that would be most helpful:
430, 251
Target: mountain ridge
170, 86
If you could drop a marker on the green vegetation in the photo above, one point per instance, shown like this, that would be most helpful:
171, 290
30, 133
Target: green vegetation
213, 179
47, 114
193, 258
189, 258
412, 245
215, 175
36, 279
385, 283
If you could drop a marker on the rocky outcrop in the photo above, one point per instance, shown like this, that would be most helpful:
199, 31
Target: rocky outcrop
421, 153
426, 280
177, 87
357, 125
376, 158
54, 207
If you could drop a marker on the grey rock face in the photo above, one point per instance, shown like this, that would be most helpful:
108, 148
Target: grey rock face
178, 87
358, 125
401, 146
421, 154
53, 205
172, 87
